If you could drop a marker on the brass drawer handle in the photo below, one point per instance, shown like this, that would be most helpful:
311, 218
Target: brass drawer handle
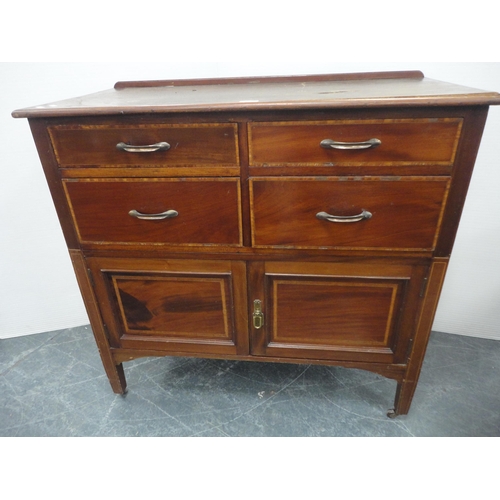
169, 214
331, 144
129, 148
364, 215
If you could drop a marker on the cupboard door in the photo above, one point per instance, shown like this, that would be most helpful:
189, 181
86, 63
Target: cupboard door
337, 311
173, 305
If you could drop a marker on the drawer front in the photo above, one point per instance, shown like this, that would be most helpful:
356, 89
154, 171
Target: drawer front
167, 211
193, 144
355, 143
398, 213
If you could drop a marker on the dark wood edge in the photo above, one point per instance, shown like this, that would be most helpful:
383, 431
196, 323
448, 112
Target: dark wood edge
468, 148
391, 75
53, 176
407, 386
476, 99
392, 371
114, 370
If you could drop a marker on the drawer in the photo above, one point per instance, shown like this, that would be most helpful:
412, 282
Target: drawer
180, 145
398, 213
355, 143
156, 211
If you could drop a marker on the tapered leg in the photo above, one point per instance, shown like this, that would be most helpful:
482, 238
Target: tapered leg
406, 388
116, 378
404, 396
114, 371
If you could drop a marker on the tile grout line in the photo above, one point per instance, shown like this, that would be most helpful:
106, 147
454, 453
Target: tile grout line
23, 358
218, 427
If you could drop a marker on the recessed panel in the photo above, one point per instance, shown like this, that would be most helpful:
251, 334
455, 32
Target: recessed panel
176, 307
332, 313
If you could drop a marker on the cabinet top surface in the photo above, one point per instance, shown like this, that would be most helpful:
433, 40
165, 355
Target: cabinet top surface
356, 90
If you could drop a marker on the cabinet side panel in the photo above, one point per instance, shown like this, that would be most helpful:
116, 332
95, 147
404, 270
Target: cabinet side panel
472, 131
51, 170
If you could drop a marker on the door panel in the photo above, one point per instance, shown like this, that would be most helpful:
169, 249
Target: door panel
174, 306
339, 312
336, 311
182, 306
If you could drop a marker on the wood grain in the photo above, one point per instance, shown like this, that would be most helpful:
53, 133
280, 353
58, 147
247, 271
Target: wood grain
194, 144
261, 94
406, 212
209, 211
329, 312
407, 386
343, 311
271, 79
403, 142
184, 305
114, 369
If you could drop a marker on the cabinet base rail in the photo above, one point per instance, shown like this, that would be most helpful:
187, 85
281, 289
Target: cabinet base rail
397, 372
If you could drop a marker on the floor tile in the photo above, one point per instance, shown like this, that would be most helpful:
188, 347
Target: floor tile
53, 384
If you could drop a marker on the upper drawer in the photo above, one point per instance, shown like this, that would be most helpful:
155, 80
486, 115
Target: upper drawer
355, 142
381, 213
208, 144
156, 211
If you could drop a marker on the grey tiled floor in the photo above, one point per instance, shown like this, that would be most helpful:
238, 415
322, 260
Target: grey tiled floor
53, 384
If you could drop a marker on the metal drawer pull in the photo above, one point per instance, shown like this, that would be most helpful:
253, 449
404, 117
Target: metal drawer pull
159, 146
364, 215
331, 144
169, 214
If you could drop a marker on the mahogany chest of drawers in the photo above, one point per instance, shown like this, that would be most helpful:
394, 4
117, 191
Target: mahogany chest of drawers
286, 219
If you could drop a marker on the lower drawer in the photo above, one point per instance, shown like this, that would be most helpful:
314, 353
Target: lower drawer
201, 211
396, 213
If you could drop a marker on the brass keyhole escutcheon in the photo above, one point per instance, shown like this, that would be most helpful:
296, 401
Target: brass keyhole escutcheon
258, 316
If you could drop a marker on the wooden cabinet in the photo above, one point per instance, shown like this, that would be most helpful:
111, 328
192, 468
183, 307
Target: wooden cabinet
302, 219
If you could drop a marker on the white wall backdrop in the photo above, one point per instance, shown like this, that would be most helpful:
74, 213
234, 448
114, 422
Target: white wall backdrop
38, 291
